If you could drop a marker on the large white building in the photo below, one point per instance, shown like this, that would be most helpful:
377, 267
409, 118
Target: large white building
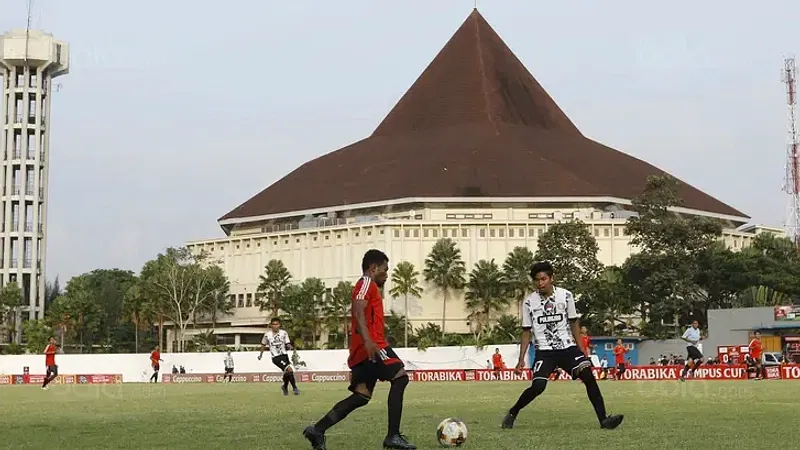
29, 61
475, 151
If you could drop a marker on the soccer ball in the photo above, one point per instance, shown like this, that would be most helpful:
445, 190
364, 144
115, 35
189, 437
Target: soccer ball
452, 432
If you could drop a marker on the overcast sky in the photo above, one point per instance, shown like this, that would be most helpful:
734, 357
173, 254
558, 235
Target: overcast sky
175, 112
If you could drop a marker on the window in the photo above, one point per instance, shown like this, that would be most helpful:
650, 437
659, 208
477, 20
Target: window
606, 232
450, 216
616, 231
369, 233
487, 216
464, 232
396, 233
483, 232
502, 232
596, 232
511, 232
521, 232
381, 232
469, 216
357, 234
491, 232
297, 241
435, 233
539, 232
338, 236
416, 232
425, 233
609, 346
407, 233
249, 300
327, 236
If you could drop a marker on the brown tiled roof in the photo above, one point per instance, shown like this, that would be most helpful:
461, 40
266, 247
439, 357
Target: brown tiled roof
475, 123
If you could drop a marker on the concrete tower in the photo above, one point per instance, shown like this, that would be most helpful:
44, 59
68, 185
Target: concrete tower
29, 60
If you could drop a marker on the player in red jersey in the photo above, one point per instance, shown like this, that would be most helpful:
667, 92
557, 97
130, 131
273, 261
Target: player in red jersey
755, 352
155, 358
586, 341
619, 358
371, 359
50, 362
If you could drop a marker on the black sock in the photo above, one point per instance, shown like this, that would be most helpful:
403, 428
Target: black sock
46, 381
285, 379
685, 371
340, 411
292, 380
697, 365
528, 395
395, 404
593, 391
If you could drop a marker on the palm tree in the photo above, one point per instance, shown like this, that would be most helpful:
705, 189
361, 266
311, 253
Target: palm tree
405, 282
275, 280
517, 269
486, 292
445, 269
338, 305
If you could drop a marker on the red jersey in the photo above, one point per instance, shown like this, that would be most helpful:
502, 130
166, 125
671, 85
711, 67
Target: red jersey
755, 349
154, 358
497, 361
50, 355
366, 289
587, 342
619, 354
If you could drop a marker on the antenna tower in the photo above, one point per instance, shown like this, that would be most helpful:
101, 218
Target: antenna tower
792, 182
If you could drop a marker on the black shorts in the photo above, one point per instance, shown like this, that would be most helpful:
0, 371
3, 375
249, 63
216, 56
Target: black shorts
52, 370
369, 372
571, 360
620, 367
156, 367
282, 361
229, 370
693, 352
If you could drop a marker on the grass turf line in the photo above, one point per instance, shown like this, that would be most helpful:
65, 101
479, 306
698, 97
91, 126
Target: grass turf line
658, 415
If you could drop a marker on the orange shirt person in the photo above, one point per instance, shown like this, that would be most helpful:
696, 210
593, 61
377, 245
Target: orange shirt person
50, 361
755, 350
497, 360
586, 341
619, 358
155, 358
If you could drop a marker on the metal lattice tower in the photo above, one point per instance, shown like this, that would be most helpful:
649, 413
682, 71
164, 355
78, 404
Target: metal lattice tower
29, 60
792, 182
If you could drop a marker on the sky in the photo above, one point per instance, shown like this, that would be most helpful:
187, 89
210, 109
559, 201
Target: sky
174, 113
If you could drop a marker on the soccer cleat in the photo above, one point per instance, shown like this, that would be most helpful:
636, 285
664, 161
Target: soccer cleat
398, 441
316, 438
285, 390
611, 422
296, 391
508, 421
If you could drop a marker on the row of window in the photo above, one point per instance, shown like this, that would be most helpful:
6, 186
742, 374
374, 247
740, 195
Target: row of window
415, 232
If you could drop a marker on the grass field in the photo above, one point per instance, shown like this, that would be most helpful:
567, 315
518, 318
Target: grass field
658, 415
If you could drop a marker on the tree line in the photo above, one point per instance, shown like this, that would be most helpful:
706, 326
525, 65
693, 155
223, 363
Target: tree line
680, 270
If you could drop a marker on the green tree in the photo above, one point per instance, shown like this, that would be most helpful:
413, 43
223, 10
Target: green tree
486, 293
305, 305
572, 249
275, 280
37, 335
607, 299
138, 311
445, 270
10, 301
405, 283
337, 307
396, 326
51, 292
516, 270
181, 283
506, 330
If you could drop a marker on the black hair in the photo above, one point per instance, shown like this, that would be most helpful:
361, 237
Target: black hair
373, 256
275, 319
543, 266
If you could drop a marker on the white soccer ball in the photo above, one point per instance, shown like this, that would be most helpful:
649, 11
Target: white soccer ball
452, 432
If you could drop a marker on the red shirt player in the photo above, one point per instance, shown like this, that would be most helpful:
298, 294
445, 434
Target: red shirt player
755, 352
371, 358
50, 362
619, 358
155, 358
586, 341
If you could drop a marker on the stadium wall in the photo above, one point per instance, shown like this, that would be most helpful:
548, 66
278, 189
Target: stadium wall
136, 367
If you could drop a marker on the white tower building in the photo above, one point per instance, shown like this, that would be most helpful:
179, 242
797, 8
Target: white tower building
29, 60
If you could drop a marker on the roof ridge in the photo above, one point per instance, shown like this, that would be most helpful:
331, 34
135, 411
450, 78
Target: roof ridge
482, 69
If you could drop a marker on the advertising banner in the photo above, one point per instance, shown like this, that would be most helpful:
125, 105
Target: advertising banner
264, 377
787, 313
62, 379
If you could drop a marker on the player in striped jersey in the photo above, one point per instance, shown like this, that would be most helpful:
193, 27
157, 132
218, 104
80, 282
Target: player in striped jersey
279, 346
228, 367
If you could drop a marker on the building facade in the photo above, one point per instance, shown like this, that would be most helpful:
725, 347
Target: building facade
331, 248
29, 61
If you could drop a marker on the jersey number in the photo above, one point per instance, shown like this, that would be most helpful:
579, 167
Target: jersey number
536, 366
384, 356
